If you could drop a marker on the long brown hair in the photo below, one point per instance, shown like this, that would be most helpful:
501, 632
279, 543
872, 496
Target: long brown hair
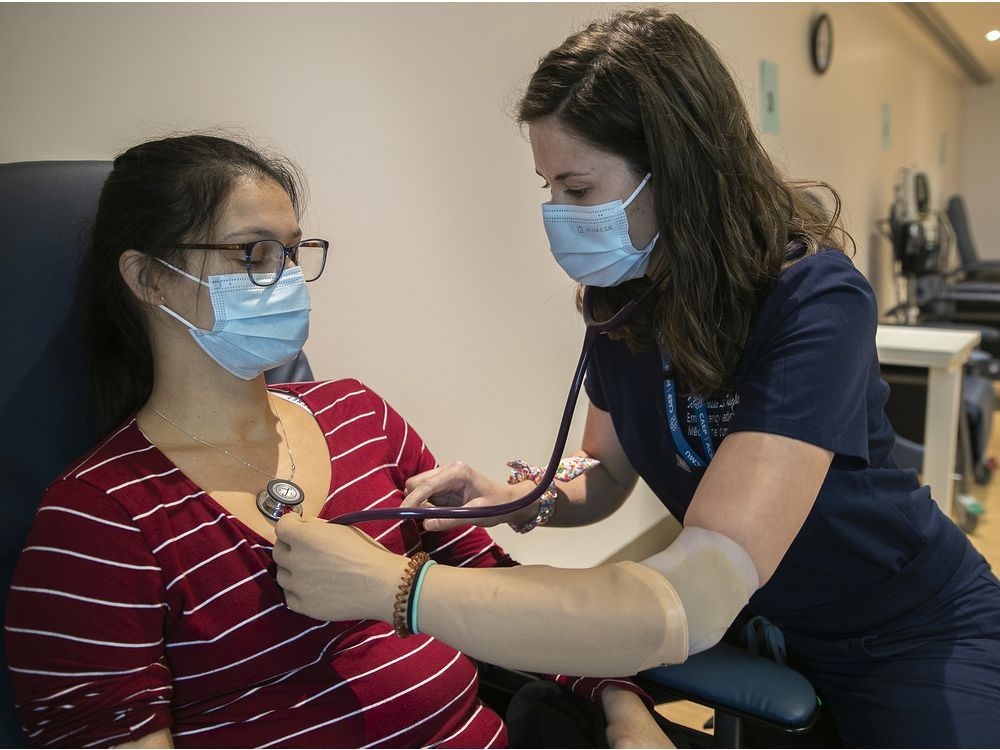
646, 86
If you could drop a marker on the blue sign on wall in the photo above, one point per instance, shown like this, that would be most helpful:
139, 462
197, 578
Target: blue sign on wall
769, 96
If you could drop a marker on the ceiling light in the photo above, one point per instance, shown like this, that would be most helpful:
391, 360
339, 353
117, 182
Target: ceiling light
992, 36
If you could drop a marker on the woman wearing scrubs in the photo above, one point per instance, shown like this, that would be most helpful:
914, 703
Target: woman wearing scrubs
744, 391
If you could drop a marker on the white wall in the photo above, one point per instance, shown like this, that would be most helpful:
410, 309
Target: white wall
980, 176
440, 292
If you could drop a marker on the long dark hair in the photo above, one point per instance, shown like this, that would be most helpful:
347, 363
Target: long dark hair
159, 194
646, 86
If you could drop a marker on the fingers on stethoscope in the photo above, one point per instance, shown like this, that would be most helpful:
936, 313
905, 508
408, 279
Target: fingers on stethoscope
417, 479
445, 484
417, 494
419, 487
281, 575
441, 524
446, 524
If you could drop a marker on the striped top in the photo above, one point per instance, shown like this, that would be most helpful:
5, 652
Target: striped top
140, 603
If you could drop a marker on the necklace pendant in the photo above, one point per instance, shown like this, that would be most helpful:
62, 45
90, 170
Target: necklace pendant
281, 496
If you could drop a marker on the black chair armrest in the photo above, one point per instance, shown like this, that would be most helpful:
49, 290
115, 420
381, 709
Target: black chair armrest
737, 682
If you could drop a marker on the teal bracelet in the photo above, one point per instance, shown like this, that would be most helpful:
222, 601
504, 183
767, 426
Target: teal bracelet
411, 610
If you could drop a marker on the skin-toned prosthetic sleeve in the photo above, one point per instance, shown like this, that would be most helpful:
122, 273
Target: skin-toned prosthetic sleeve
602, 622
714, 577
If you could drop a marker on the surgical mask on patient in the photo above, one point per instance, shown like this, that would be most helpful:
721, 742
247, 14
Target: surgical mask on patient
256, 327
592, 244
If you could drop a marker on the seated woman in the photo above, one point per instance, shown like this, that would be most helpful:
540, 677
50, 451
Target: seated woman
144, 608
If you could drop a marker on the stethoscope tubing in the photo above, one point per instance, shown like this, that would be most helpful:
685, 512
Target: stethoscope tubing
381, 514
593, 330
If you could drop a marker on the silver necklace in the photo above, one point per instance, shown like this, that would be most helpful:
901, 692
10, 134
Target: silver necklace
280, 495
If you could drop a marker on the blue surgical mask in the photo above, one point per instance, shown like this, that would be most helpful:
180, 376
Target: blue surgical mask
592, 244
256, 328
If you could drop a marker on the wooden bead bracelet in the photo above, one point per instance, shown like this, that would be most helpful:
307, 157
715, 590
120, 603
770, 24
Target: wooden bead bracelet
399, 609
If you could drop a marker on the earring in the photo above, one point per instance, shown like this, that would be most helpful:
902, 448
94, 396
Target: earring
162, 298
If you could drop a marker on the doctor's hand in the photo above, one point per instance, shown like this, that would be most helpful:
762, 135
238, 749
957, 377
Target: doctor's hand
459, 485
334, 572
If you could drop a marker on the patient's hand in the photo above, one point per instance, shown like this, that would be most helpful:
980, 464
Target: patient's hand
334, 572
629, 723
458, 484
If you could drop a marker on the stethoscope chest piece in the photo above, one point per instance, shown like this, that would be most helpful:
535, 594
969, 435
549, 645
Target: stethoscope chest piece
281, 496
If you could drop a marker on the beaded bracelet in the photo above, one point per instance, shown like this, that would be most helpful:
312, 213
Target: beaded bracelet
546, 507
411, 607
399, 613
569, 468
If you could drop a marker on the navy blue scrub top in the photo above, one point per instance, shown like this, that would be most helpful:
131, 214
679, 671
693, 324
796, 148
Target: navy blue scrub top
875, 544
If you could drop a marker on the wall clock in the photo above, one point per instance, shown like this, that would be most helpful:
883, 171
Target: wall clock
821, 43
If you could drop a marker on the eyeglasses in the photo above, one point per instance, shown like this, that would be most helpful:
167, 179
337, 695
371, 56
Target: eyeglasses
264, 260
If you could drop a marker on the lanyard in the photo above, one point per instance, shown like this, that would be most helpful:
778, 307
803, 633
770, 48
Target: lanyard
695, 404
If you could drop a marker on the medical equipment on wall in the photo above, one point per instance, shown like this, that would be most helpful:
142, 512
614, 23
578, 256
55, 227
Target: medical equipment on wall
593, 330
922, 240
919, 237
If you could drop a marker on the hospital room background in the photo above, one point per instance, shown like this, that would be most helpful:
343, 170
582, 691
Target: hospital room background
440, 292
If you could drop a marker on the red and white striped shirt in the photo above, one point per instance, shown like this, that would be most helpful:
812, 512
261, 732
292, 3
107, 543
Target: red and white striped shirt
140, 603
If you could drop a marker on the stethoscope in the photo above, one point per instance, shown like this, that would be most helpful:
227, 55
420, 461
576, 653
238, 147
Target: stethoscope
594, 328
